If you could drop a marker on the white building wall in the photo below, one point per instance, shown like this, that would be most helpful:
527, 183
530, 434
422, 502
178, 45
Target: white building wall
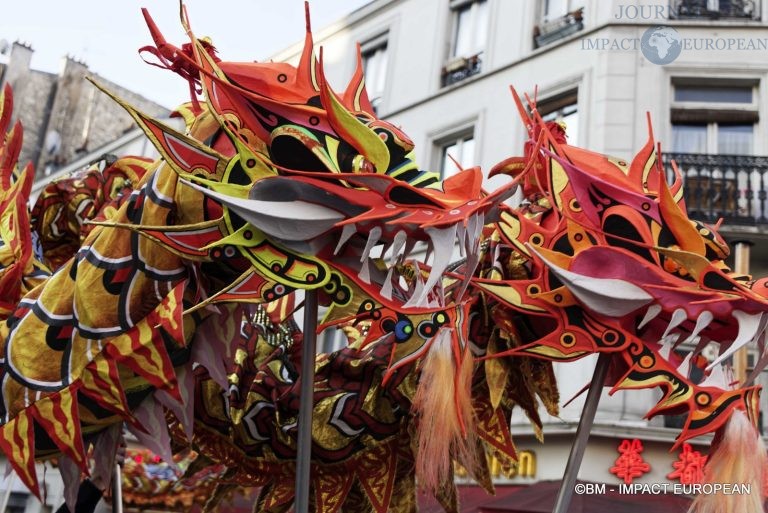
615, 90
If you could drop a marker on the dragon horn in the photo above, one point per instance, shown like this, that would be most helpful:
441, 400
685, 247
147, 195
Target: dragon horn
356, 95
351, 129
307, 68
166, 49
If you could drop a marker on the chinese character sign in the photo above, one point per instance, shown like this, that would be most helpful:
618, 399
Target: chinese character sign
630, 463
689, 468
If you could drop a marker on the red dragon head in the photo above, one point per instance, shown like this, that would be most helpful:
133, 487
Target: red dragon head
613, 264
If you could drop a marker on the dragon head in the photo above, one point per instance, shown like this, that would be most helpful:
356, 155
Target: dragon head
310, 184
613, 264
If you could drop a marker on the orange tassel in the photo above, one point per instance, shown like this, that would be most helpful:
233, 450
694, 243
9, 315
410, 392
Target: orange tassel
739, 459
443, 406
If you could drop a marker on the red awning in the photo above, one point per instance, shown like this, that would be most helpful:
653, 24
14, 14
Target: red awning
540, 498
471, 498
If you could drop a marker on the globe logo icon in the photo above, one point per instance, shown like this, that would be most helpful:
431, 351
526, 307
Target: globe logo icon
661, 45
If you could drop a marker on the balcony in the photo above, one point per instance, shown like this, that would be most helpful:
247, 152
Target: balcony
723, 9
558, 28
731, 187
461, 68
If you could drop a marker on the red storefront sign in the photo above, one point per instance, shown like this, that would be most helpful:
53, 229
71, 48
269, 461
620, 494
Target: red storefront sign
630, 463
689, 468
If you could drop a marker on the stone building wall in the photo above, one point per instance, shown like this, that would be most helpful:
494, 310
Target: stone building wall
65, 116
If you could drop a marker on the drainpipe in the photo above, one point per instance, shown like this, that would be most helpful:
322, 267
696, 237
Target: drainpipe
741, 250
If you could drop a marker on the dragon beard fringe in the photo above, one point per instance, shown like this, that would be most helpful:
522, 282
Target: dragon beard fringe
446, 417
738, 458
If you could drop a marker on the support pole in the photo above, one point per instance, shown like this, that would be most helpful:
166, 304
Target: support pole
565, 493
117, 489
306, 401
741, 251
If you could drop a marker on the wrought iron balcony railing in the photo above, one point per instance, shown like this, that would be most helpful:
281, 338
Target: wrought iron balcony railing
714, 9
550, 31
731, 187
460, 68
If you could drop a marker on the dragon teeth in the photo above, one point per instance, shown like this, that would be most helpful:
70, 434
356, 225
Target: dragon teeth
717, 378
685, 367
650, 315
461, 238
373, 237
397, 245
678, 316
386, 289
749, 325
667, 343
346, 233
365, 271
705, 318
442, 244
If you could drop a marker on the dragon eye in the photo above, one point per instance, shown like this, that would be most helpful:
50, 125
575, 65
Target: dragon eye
362, 165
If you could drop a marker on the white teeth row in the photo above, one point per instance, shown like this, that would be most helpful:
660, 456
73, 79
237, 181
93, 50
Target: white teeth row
749, 330
753, 329
439, 251
441, 245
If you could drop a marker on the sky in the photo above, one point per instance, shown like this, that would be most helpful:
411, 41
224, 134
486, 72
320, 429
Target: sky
106, 34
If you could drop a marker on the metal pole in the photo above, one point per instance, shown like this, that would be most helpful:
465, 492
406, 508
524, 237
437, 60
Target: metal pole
582, 434
306, 402
741, 250
117, 490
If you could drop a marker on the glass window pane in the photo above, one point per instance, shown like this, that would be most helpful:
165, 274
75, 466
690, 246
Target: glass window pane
448, 167
467, 153
481, 27
689, 138
713, 94
462, 151
555, 9
375, 70
463, 40
735, 139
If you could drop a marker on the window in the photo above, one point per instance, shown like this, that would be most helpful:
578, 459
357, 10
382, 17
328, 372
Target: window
460, 148
374, 54
17, 503
715, 9
559, 19
563, 108
713, 138
555, 9
715, 119
469, 33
